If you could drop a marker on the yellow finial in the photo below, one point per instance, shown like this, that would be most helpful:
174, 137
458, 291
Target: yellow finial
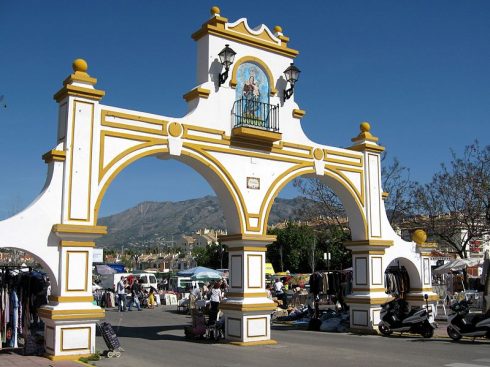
215, 10
365, 126
419, 236
80, 65
277, 29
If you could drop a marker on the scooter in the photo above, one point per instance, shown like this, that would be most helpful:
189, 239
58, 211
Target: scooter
461, 323
394, 318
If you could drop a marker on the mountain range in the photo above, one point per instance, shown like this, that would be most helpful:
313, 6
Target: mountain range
150, 223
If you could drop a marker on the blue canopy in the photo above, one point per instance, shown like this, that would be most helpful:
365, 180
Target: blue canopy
201, 273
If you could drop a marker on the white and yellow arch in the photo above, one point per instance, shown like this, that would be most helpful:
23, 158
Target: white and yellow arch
246, 166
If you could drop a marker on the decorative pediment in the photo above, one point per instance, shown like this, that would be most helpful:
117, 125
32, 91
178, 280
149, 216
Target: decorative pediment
262, 32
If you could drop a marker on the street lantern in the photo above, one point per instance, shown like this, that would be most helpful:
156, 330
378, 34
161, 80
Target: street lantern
292, 76
226, 58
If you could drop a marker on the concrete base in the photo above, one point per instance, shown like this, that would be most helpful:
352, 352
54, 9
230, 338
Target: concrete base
251, 344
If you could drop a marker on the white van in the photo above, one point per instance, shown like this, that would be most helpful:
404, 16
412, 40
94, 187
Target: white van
109, 281
147, 280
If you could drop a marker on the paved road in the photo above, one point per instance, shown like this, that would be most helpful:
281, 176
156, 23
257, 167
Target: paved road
156, 338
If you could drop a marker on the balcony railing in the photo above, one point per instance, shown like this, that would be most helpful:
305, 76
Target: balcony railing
255, 114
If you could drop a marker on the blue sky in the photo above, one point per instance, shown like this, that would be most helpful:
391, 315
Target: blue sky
418, 71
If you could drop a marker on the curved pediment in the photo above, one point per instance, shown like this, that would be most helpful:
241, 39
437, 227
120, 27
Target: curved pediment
261, 32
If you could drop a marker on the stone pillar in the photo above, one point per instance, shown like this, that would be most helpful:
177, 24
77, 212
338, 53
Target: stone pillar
70, 317
247, 309
368, 284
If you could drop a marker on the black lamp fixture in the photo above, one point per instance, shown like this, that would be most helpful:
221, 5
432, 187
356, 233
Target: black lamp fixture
226, 58
292, 76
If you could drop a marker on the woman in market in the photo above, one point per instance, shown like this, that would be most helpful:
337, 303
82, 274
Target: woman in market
216, 296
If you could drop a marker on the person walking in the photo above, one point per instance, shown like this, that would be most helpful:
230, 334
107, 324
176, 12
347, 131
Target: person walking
279, 291
151, 298
135, 294
121, 294
216, 296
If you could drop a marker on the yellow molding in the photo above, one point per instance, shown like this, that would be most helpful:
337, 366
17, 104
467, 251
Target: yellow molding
89, 341
365, 136
54, 156
251, 133
249, 307
67, 357
374, 242
76, 244
76, 91
175, 129
367, 301
248, 237
432, 297
67, 271
71, 314
367, 252
216, 26
80, 76
196, 93
79, 229
161, 125
265, 68
298, 114
246, 294
247, 248
425, 289
61, 299
366, 147
254, 343
318, 154
384, 195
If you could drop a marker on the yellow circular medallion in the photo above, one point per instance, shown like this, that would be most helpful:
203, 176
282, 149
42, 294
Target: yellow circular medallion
175, 129
318, 154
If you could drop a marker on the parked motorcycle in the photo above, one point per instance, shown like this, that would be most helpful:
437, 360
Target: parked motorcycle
462, 323
396, 317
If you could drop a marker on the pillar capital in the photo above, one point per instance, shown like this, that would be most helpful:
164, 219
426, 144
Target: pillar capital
79, 84
365, 141
247, 240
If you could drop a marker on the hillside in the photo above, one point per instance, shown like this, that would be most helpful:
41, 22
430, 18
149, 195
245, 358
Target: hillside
150, 222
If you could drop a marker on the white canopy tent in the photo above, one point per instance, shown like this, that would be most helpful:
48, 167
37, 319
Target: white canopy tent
455, 265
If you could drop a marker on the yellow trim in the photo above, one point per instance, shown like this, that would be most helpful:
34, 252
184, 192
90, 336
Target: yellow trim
71, 314
367, 301
340, 171
67, 270
76, 244
222, 138
216, 26
145, 143
298, 114
425, 289
246, 294
254, 343
76, 328
80, 76
249, 307
68, 357
197, 93
79, 229
72, 149
368, 252
54, 156
161, 124
247, 248
261, 64
61, 299
232, 284
248, 237
76, 91
375, 243
384, 195
366, 147
329, 153
251, 133
175, 129
318, 154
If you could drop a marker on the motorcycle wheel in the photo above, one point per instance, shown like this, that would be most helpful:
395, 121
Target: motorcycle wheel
453, 334
427, 331
385, 330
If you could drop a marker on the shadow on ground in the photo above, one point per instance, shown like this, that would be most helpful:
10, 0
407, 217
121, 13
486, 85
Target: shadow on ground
150, 332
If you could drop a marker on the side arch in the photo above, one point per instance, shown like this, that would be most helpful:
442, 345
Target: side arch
259, 62
227, 195
413, 272
352, 205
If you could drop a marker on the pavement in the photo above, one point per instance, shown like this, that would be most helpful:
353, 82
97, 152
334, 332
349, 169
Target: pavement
149, 336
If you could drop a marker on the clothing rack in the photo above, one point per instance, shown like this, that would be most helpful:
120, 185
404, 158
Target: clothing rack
397, 280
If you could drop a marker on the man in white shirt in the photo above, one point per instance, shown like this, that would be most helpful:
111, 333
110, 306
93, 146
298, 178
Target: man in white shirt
278, 288
121, 294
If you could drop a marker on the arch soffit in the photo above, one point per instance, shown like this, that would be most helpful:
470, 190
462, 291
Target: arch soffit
259, 62
197, 156
411, 267
303, 170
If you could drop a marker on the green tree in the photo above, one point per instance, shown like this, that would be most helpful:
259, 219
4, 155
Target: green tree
213, 256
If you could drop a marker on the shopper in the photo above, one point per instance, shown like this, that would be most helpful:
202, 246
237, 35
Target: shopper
216, 296
279, 290
135, 294
151, 298
121, 294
